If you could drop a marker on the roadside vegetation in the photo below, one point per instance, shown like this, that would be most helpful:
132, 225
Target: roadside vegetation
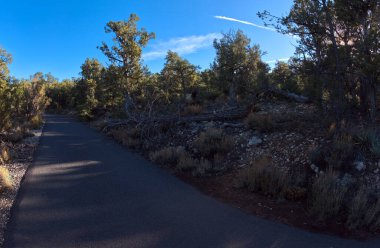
305, 132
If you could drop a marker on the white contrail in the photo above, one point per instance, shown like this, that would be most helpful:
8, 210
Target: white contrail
244, 22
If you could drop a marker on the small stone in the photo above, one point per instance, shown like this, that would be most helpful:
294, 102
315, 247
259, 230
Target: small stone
314, 168
359, 165
376, 171
255, 141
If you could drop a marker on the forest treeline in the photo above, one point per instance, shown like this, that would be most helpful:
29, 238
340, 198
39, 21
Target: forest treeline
336, 64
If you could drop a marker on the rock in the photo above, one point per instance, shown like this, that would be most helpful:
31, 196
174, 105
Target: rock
255, 141
359, 165
314, 168
210, 124
376, 171
347, 179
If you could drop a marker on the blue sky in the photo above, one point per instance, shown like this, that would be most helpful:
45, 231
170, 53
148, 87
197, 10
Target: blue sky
57, 36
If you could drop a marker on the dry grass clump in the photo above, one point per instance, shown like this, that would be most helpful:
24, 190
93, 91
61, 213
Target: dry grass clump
5, 179
129, 137
342, 150
186, 162
16, 135
36, 122
4, 155
261, 122
369, 139
202, 167
213, 141
364, 211
262, 176
181, 159
193, 109
327, 196
168, 156
295, 193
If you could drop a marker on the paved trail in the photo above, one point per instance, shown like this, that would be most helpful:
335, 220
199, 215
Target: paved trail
84, 190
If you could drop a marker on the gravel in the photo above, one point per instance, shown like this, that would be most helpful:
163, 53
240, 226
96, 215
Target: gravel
22, 154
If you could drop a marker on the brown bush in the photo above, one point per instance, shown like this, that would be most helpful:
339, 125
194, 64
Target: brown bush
364, 212
193, 109
369, 140
261, 122
262, 176
341, 152
36, 122
295, 193
203, 166
168, 156
213, 141
187, 162
129, 137
5, 179
4, 154
326, 199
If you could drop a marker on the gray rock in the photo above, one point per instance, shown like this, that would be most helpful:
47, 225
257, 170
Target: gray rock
359, 165
347, 179
255, 141
314, 168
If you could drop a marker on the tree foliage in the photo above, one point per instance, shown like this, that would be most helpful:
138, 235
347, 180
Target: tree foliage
238, 65
338, 45
125, 54
178, 77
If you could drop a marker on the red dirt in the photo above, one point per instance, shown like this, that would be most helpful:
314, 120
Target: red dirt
287, 212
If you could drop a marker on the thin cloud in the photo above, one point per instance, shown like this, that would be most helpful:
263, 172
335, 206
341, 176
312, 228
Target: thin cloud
244, 22
182, 46
277, 60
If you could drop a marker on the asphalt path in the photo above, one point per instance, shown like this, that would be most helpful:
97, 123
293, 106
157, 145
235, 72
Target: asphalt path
84, 190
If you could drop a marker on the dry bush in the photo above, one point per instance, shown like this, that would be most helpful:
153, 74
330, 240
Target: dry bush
213, 141
369, 140
129, 137
5, 179
168, 156
5, 155
187, 162
327, 196
203, 166
15, 136
262, 176
261, 122
193, 109
295, 193
341, 152
36, 122
363, 211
